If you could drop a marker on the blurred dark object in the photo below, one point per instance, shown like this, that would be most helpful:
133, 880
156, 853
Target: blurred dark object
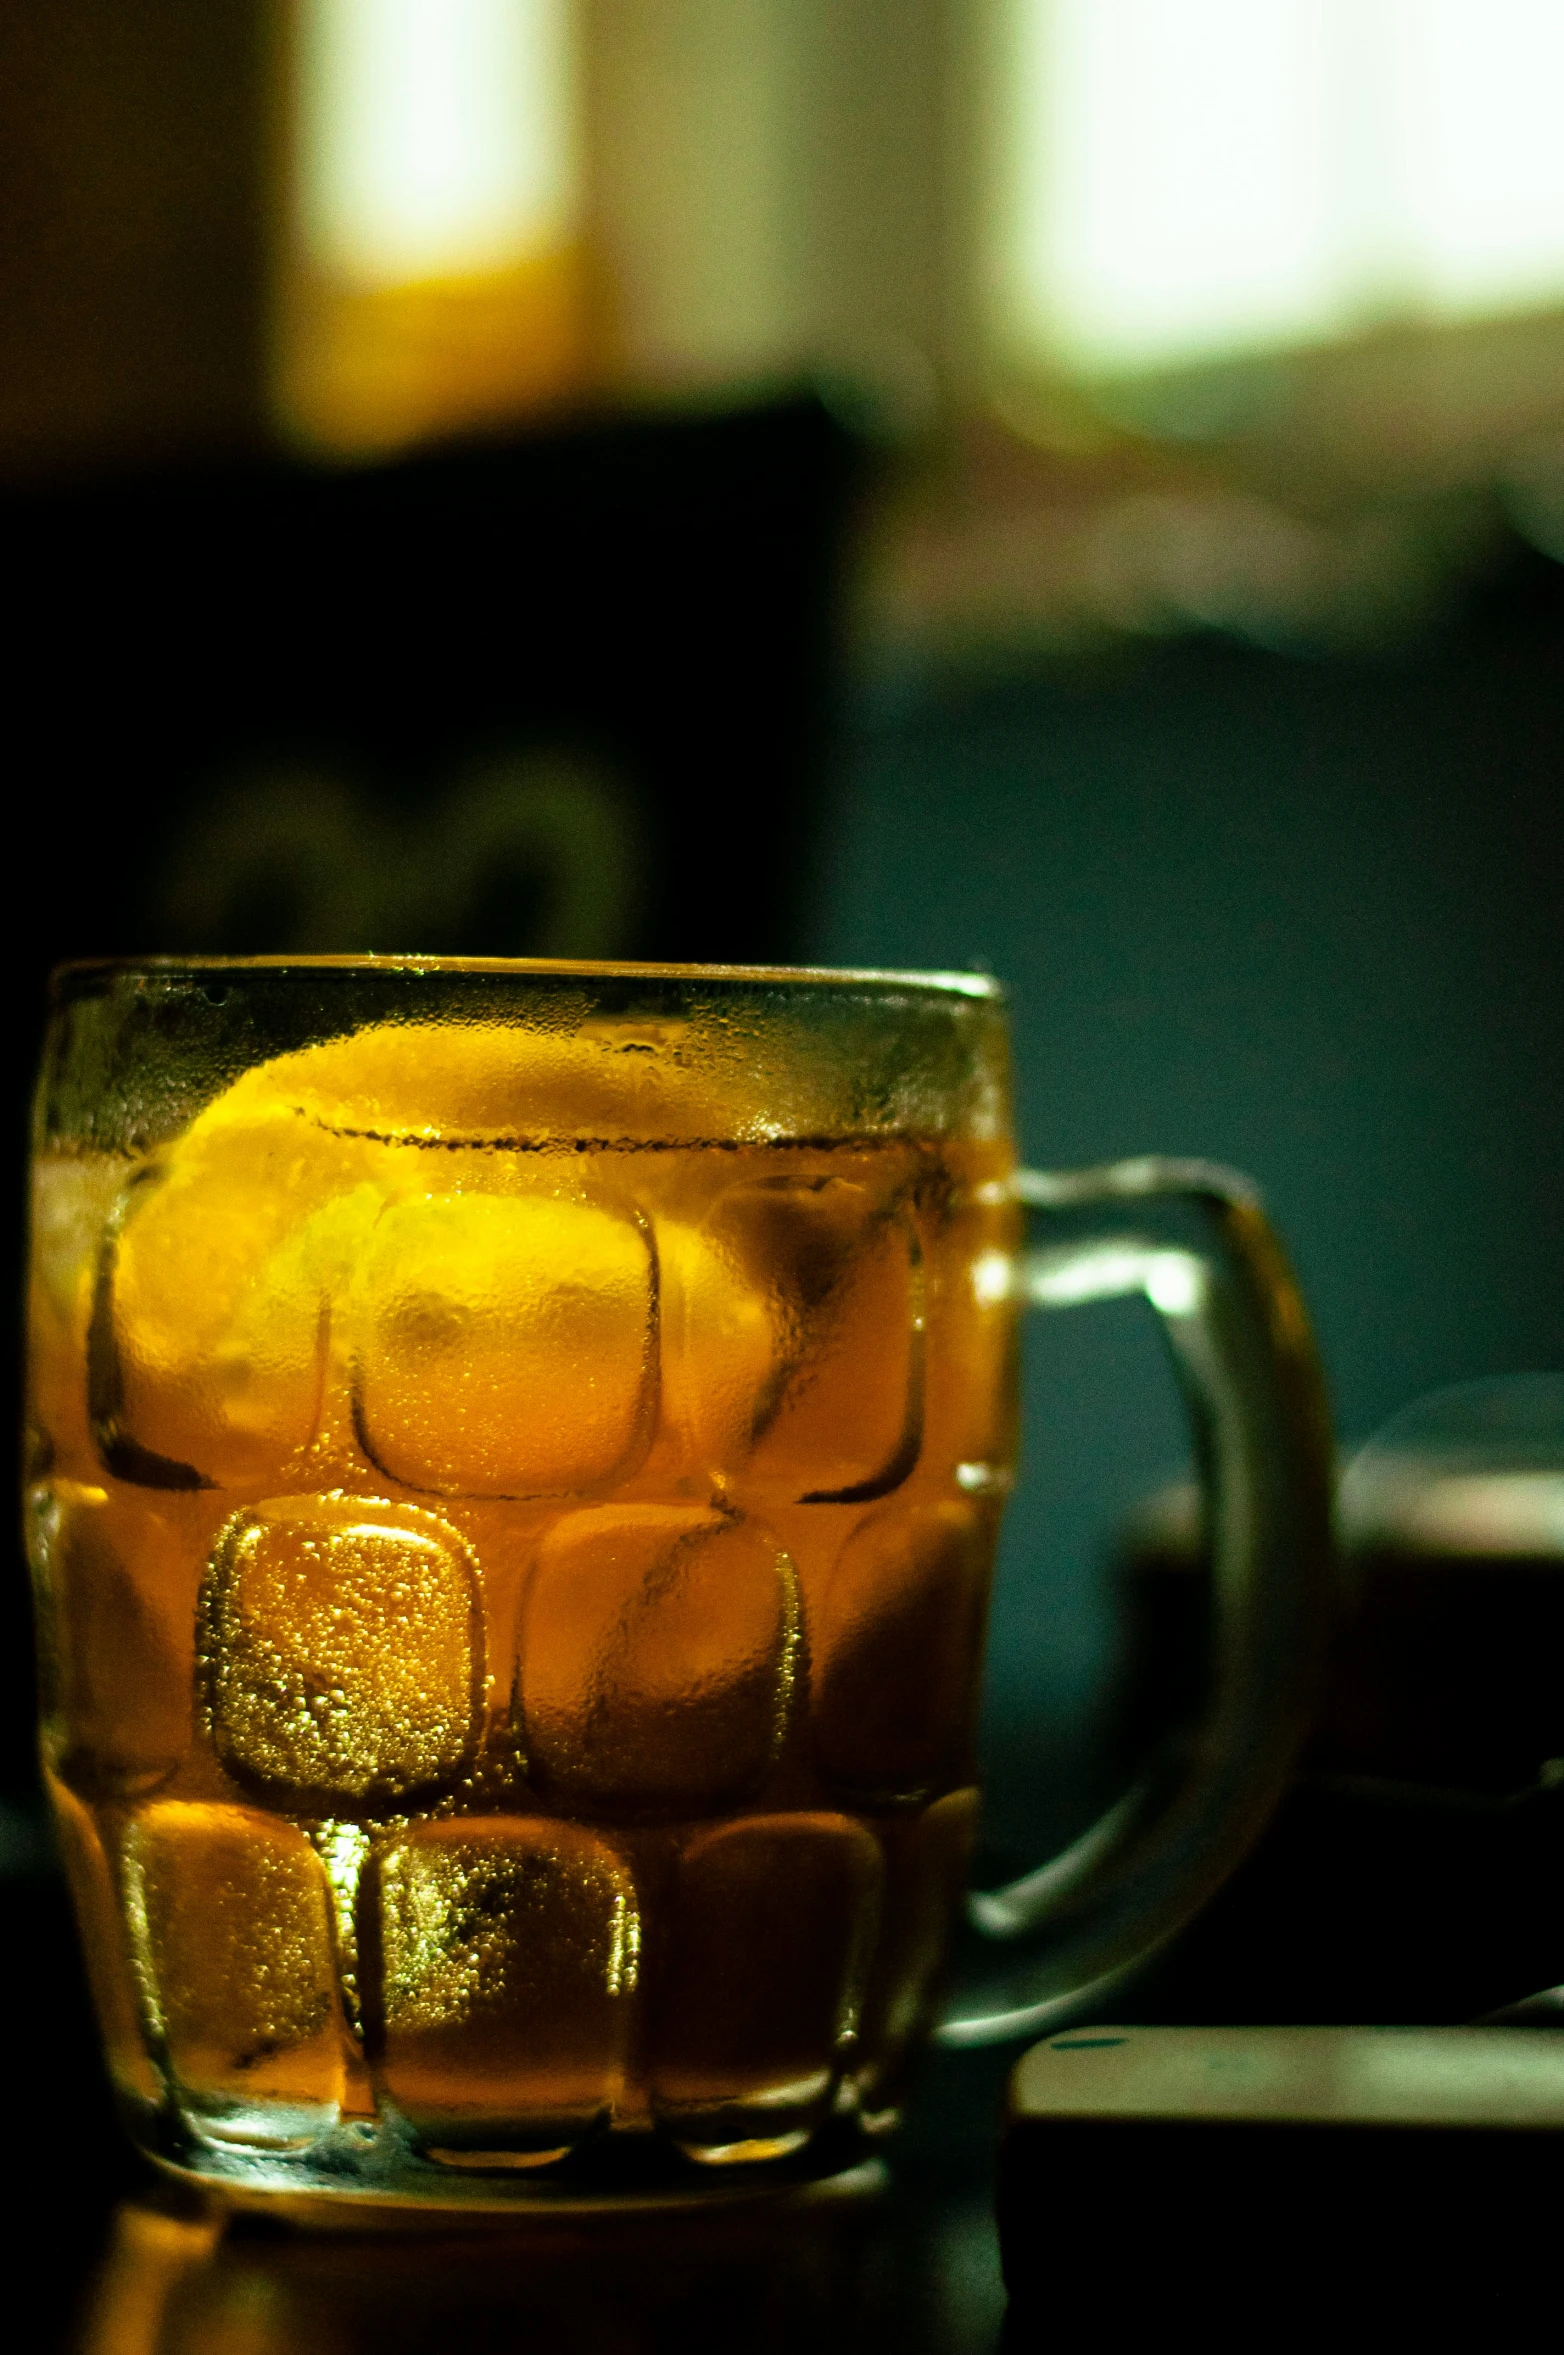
1367, 1900
491, 700
1452, 1524
767, 2275
1412, 1873
1443, 1667
136, 145
1264, 2179
78, 2162
565, 696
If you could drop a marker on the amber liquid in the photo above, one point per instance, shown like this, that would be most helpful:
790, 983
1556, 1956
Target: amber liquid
511, 1611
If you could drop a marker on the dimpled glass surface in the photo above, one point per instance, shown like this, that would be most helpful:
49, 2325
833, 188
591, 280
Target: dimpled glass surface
514, 1466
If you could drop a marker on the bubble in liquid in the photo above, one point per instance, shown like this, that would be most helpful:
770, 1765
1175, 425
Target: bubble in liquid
504, 1344
231, 1914
657, 1657
510, 1950
342, 1644
772, 1926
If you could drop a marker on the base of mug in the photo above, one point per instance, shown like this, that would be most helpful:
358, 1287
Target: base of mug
377, 2179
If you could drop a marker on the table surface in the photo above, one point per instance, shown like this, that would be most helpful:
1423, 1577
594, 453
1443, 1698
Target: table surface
1361, 1903
110, 2264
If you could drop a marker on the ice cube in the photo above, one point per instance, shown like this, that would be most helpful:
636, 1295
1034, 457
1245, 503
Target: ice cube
207, 1351
117, 1639
836, 1411
926, 1859
232, 1916
773, 1923
505, 1344
896, 1641
657, 1657
342, 1646
510, 1951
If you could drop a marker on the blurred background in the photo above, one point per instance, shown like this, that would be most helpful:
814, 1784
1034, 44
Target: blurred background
1073, 487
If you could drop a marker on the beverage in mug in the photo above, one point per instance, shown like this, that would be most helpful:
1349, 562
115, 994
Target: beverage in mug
515, 1465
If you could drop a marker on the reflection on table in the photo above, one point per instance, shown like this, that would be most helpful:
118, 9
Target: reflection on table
855, 2263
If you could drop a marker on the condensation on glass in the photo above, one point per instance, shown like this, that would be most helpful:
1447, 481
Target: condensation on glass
514, 1469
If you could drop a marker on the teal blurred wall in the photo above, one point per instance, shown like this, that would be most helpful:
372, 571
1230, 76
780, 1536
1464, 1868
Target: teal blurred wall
1305, 917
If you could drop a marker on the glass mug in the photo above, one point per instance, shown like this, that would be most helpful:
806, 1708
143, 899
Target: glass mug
515, 1459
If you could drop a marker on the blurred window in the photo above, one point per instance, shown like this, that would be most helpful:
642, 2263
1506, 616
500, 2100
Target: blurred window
433, 277
436, 135
1185, 179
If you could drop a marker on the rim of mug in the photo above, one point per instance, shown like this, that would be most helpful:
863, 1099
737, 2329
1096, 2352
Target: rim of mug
974, 984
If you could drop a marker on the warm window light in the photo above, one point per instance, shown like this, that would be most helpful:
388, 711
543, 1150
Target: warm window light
1182, 179
1482, 85
436, 135
1166, 185
434, 276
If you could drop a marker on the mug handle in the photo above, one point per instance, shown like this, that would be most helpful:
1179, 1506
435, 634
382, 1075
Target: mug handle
1192, 1238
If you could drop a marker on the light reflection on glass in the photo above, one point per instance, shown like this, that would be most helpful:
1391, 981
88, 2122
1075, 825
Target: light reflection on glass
1173, 1281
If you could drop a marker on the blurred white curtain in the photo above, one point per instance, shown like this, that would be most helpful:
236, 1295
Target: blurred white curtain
1178, 179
